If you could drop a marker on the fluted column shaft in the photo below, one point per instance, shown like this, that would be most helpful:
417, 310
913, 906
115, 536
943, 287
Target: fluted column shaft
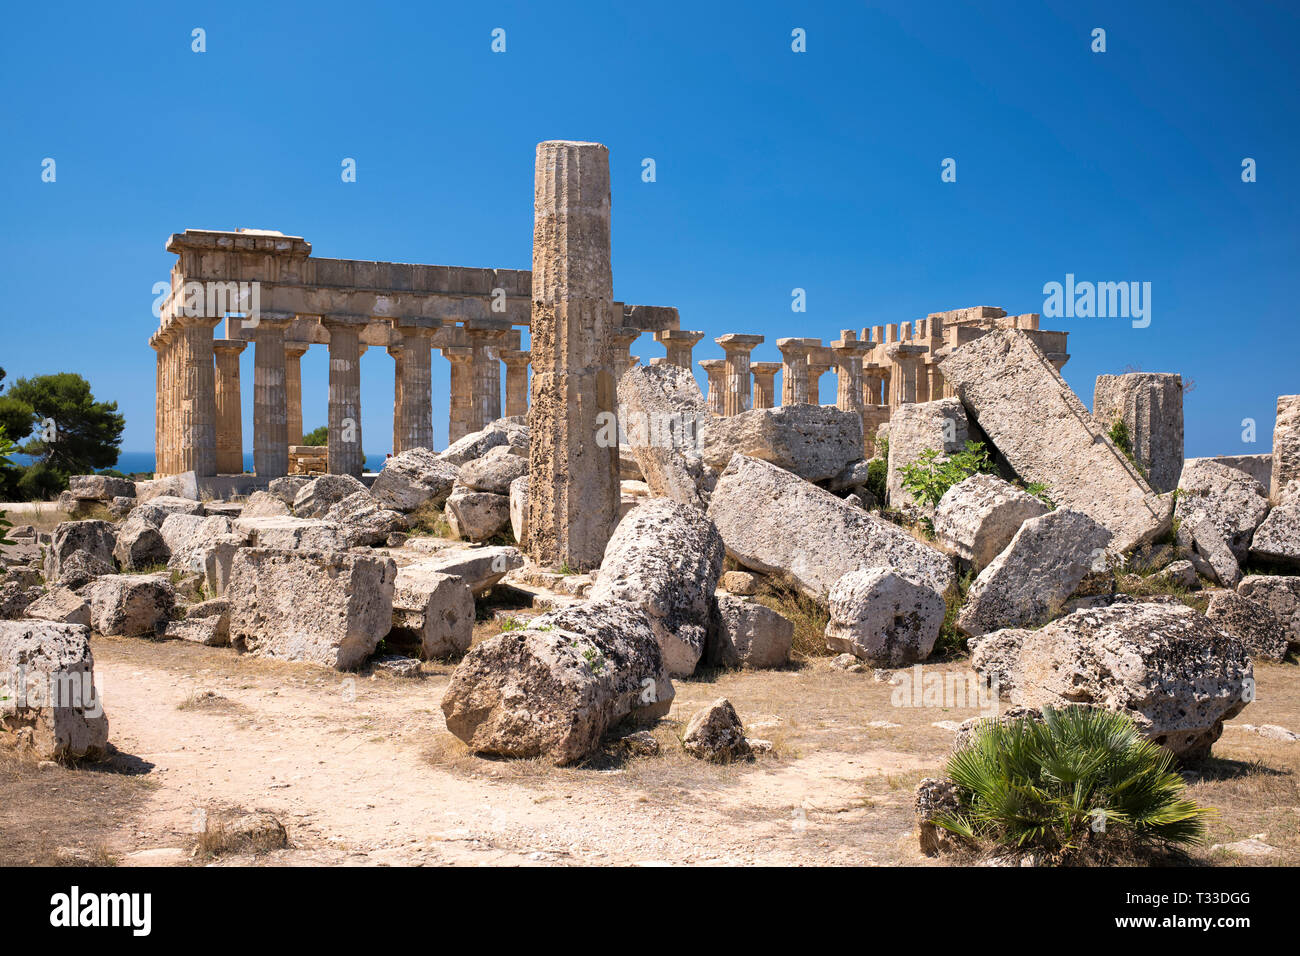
293, 353
516, 363
415, 389
270, 400
460, 404
344, 425
230, 425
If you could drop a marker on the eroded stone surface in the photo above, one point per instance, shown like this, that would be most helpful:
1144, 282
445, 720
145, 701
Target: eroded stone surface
414, 478
918, 427
816, 442
1254, 624
883, 617
54, 707
664, 414
978, 517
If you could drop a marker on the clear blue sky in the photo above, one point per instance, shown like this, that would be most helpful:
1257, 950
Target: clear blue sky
775, 170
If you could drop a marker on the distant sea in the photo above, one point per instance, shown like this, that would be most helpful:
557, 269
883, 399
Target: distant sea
134, 462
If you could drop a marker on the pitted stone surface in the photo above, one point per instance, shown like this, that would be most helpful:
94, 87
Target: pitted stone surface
883, 617
664, 415
915, 428
978, 517
414, 478
57, 700
1234, 503
816, 442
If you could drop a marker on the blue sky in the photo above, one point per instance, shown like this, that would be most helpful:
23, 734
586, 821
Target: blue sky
775, 169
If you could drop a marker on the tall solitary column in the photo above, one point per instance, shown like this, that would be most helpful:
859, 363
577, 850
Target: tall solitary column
293, 353
573, 491
344, 425
679, 343
230, 425
794, 373
198, 398
460, 404
765, 383
716, 370
516, 362
270, 398
735, 399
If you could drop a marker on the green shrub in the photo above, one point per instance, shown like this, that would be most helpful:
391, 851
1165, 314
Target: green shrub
877, 477
929, 477
1080, 777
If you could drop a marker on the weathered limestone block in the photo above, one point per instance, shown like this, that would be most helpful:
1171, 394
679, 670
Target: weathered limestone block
434, 610
312, 606
934, 799
139, 545
215, 561
476, 515
177, 529
978, 517
1254, 624
740, 582
494, 471
100, 487
1203, 543
715, 733
519, 509
188, 537
1182, 574
48, 699
918, 427
884, 617
316, 497
503, 431
664, 414
993, 657
744, 633
16, 598
263, 504
774, 522
96, 538
1165, 665
364, 521
1233, 502
183, 485
1259, 467
1277, 539
1029, 582
414, 478
480, 568
61, 605
629, 469
121, 506
1286, 446
208, 630
288, 534
287, 488
157, 510
79, 569
1151, 406
1280, 594
665, 557
130, 605
1046, 435
557, 686
816, 442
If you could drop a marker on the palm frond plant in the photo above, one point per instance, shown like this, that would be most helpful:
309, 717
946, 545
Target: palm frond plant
1080, 777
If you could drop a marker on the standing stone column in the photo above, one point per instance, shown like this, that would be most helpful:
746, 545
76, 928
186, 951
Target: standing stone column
873, 378
679, 343
293, 353
460, 405
1150, 404
848, 353
794, 374
573, 490
485, 337
820, 361
765, 383
171, 352
735, 398
199, 398
155, 343
396, 352
270, 397
413, 383
716, 370
620, 349
230, 425
516, 362
344, 425
905, 360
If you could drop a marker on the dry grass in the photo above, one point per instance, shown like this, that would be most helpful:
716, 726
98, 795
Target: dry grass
808, 617
210, 702
44, 516
233, 831
429, 520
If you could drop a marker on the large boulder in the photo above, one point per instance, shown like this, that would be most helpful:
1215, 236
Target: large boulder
745, 633
476, 515
184, 485
263, 504
918, 427
1286, 446
1029, 582
100, 487
316, 497
48, 699
189, 538
816, 442
1166, 666
61, 605
503, 431
493, 472
1229, 499
664, 414
1281, 595
1046, 435
665, 557
281, 534
774, 522
978, 517
156, 510
1277, 540
80, 568
433, 610
365, 522
993, 657
1209, 553
884, 617
478, 567
96, 538
1254, 624
287, 488
1150, 404
554, 688
130, 605
16, 598
313, 606
414, 478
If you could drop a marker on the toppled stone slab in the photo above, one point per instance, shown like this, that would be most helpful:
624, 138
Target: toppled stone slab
1254, 624
715, 733
96, 538
664, 415
1277, 539
494, 471
208, 631
665, 557
156, 510
433, 610
1210, 555
316, 497
1046, 435
1030, 581
915, 428
554, 688
1165, 665
80, 568
287, 488
184, 485
287, 534
263, 504
48, 700
978, 517
816, 442
476, 515
884, 617
1180, 574
61, 605
323, 608
16, 597
745, 633
480, 568
774, 522
365, 522
1280, 593
413, 479
190, 537
130, 605
1230, 500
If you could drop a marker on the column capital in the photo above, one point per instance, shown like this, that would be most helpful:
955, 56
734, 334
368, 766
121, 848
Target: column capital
347, 321
737, 342
684, 336
229, 345
413, 325
765, 368
296, 349
514, 357
713, 365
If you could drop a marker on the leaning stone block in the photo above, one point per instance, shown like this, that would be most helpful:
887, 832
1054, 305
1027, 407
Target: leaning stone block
479, 567
414, 478
1277, 540
1286, 446
1150, 404
1230, 500
101, 487
96, 538
978, 517
664, 415
476, 515
61, 605
47, 690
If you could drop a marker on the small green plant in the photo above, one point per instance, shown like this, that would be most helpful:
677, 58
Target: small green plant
565, 569
1079, 778
928, 478
1038, 490
512, 624
877, 478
